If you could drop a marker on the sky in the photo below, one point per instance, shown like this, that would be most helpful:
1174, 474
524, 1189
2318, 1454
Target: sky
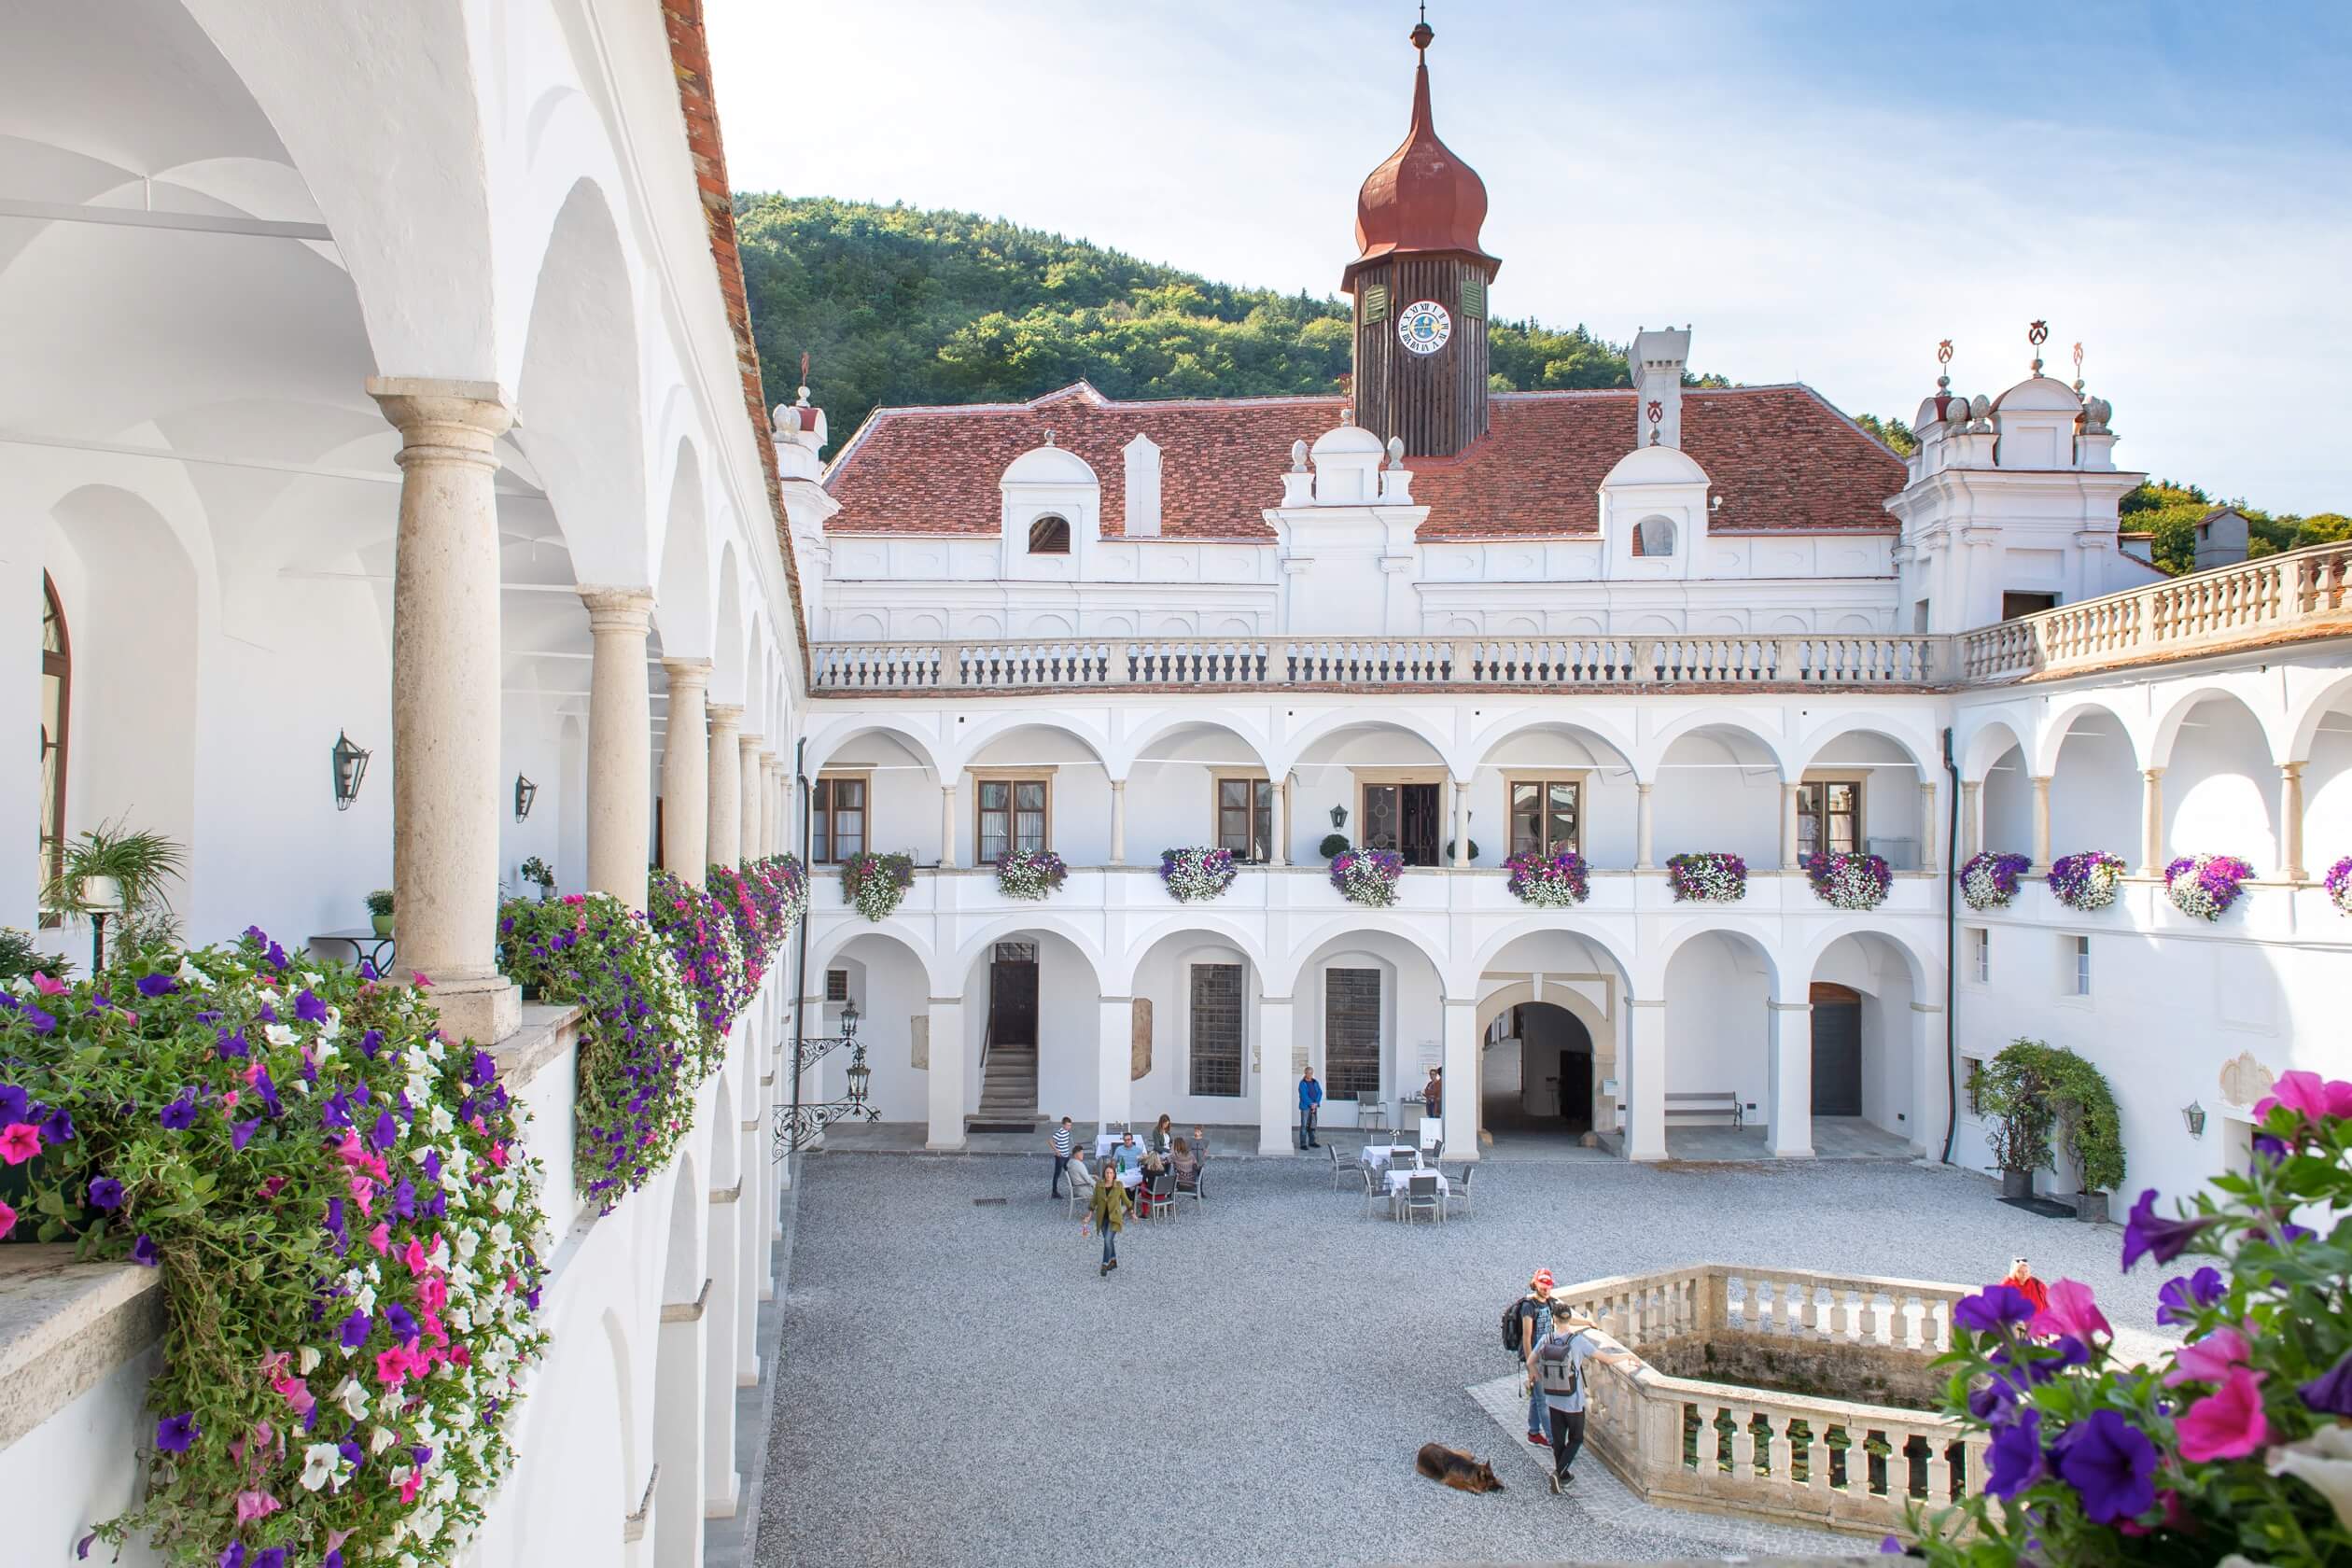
1820, 190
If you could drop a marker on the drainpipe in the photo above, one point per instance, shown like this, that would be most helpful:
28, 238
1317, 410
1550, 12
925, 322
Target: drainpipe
1952, 948
800, 964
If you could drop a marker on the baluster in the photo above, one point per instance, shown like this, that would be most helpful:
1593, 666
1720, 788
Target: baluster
1773, 1448
1938, 1473
1869, 1322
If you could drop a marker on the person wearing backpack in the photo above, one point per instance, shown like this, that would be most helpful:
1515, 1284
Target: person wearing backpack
1523, 1323
1558, 1367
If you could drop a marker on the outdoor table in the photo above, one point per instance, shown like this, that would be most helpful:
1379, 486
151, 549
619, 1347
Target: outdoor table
1130, 1178
364, 944
1376, 1156
1397, 1180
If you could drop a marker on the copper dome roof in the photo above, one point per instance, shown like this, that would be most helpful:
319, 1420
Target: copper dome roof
1422, 199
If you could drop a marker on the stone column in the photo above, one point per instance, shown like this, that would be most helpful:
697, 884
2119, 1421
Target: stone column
1788, 827
1461, 1130
1971, 821
1462, 831
771, 840
947, 793
2152, 822
1927, 1086
1278, 1092
686, 773
1114, 1058
445, 714
1644, 1071
1928, 828
1643, 858
620, 744
679, 1346
725, 816
1277, 853
2041, 823
1791, 1104
2290, 823
1118, 822
750, 828
947, 1042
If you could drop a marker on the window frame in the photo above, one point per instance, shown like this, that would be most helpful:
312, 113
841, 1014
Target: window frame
2078, 972
1012, 779
1980, 954
1042, 535
1576, 778
1193, 1056
1332, 1089
1260, 852
823, 846
836, 986
60, 664
1368, 779
1822, 783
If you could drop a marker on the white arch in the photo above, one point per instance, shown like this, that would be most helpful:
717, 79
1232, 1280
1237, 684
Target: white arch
1464, 759
1652, 755
1187, 920
2265, 713
1914, 743
1750, 930
1282, 972
1549, 923
2303, 723
977, 947
1289, 749
1925, 969
1159, 726
973, 740
825, 745
2051, 734
682, 591
1992, 737
834, 941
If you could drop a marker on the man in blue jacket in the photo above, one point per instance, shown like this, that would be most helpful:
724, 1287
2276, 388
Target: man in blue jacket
1309, 1101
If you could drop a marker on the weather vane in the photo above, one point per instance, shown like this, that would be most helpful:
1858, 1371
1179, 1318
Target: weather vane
1657, 412
2077, 352
2037, 334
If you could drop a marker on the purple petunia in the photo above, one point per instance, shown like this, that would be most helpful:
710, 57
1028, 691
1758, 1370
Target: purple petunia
309, 1009
484, 1068
1992, 1310
157, 984
181, 1114
2016, 1456
2331, 1393
2111, 1464
174, 1434
233, 1555
268, 1557
386, 1132
240, 1133
144, 1252
355, 1329
2146, 1236
15, 1104
58, 1126
2181, 1297
370, 1042
105, 1193
402, 1322
231, 1045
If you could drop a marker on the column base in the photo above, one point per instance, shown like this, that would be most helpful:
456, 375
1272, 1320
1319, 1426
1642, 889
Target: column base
936, 1147
723, 1504
1282, 1140
483, 1011
751, 1379
1805, 1153
1647, 1156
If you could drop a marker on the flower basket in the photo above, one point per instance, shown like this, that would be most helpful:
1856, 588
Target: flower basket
2089, 880
1197, 874
1367, 877
344, 1219
1555, 881
702, 943
875, 885
2206, 885
1708, 876
1030, 873
1989, 881
2340, 885
1843, 881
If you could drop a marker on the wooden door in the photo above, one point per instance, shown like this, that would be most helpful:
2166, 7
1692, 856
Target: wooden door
1837, 1058
1421, 831
1013, 1002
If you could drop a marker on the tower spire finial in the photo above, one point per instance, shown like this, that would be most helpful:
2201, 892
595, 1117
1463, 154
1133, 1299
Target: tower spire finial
1422, 33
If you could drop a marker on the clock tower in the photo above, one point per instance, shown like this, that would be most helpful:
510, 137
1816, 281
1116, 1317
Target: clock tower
1419, 284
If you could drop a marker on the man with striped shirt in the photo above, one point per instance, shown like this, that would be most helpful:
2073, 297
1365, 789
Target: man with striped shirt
1061, 1153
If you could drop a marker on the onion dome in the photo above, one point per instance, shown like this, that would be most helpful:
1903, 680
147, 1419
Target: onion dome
1422, 200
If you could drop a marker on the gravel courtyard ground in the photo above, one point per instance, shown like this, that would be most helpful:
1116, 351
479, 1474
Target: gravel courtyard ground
960, 1388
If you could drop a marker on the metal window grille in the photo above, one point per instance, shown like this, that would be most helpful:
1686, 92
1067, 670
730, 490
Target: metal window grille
1216, 1029
837, 985
1352, 1033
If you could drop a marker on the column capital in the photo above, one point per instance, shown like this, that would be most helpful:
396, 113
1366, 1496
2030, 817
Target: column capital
2291, 770
724, 716
1636, 1001
687, 672
749, 740
1641, 785
1788, 1006
457, 421
1462, 1002
2153, 773
618, 610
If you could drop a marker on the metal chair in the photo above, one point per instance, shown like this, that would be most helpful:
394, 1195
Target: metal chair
1162, 1194
1080, 1195
1421, 1195
1458, 1191
1338, 1171
1375, 1189
1372, 1115
1194, 1188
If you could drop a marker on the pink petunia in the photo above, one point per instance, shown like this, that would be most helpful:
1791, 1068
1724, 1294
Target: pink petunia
256, 1504
19, 1142
296, 1393
273, 1366
2339, 1098
48, 987
7, 1221
392, 1366
411, 1485
413, 1256
2227, 1423
423, 981
381, 1239
228, 1099
252, 1073
498, 1155
2071, 1311
363, 1194
2210, 1359
2303, 1093
432, 1293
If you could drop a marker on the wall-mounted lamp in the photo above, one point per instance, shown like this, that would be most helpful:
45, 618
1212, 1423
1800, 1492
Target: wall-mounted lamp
849, 1020
525, 793
2195, 1114
1339, 816
351, 766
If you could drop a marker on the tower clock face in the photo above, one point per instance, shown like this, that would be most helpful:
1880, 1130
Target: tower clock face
1423, 326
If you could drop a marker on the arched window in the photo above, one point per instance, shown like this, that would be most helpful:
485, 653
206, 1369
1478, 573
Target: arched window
1654, 536
1049, 536
57, 672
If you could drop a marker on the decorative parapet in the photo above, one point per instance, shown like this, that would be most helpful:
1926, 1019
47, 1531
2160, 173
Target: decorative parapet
1802, 1458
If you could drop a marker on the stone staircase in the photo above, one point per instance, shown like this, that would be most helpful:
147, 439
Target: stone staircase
1008, 1087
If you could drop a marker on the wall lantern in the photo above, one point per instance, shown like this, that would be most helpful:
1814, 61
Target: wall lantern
525, 793
1339, 816
861, 1076
351, 766
2195, 1114
849, 1020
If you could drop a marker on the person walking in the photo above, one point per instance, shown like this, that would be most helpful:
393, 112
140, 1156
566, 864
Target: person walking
1107, 1213
1061, 1153
1310, 1099
1525, 1321
1558, 1364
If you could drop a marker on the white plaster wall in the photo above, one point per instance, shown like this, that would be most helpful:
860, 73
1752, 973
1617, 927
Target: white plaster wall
902, 799
2220, 792
1716, 793
1079, 825
2327, 796
1718, 1032
2096, 794
1165, 977
70, 1472
2007, 803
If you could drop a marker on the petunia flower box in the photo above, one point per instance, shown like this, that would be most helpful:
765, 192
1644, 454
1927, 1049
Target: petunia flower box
1989, 881
1560, 880
1030, 873
2339, 885
1196, 875
1849, 881
875, 885
1707, 876
1367, 877
2205, 886
2086, 881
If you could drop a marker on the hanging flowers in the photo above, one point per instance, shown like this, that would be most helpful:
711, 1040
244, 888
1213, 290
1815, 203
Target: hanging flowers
1989, 881
1707, 876
1197, 874
1843, 881
1559, 880
2205, 886
349, 1233
643, 1050
875, 885
1030, 873
2340, 885
1367, 877
2087, 881
702, 939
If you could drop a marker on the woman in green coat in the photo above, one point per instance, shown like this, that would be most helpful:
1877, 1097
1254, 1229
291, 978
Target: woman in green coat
1108, 1213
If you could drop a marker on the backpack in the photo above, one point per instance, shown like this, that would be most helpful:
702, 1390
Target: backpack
1515, 1326
1562, 1376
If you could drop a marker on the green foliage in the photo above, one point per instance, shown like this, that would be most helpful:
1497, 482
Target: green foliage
381, 901
1894, 432
895, 305
1333, 846
2170, 511
2034, 1090
140, 861
22, 957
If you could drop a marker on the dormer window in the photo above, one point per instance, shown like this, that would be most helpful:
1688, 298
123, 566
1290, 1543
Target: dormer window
1049, 536
1654, 536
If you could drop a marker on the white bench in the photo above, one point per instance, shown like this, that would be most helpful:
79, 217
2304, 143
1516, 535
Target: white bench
1708, 1106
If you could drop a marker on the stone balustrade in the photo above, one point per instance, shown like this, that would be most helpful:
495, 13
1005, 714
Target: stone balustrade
1803, 1458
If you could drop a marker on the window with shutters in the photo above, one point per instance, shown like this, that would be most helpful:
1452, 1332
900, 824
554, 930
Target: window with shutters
837, 820
1352, 1033
1472, 296
837, 985
1375, 302
1013, 815
1216, 1029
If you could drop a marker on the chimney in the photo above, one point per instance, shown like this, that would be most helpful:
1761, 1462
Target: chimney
2222, 538
1655, 362
1142, 487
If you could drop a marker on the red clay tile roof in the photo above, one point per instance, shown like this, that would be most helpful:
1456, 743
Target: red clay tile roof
1782, 458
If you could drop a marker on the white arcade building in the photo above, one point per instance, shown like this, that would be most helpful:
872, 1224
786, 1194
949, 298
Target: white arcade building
384, 374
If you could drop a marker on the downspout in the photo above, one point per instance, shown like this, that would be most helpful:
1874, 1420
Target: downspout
1952, 948
800, 965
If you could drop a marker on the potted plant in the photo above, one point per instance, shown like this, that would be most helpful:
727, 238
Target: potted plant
1367, 877
1707, 876
1030, 873
540, 876
1333, 846
111, 869
1559, 880
2013, 1094
2339, 883
1989, 881
2206, 885
1848, 881
2089, 880
380, 911
2091, 1124
1196, 875
874, 885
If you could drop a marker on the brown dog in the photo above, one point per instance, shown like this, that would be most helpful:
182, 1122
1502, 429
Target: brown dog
1452, 1467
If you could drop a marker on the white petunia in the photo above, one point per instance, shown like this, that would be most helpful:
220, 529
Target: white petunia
279, 1035
380, 1439
307, 1362
2323, 1461
439, 1122
319, 1464
192, 975
353, 1396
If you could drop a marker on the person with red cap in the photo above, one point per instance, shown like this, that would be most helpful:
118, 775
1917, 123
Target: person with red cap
1524, 1322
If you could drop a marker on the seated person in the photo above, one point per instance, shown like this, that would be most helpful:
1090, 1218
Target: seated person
1153, 1163
1079, 1174
1186, 1163
1129, 1154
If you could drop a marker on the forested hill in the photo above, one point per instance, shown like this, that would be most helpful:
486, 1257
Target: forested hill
897, 305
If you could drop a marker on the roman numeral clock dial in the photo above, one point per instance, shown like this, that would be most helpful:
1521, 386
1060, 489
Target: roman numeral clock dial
1423, 326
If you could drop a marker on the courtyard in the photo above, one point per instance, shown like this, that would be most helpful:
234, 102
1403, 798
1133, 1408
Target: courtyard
960, 1387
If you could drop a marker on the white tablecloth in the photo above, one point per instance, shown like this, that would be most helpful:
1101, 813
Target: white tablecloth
1397, 1180
1131, 1178
1377, 1155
